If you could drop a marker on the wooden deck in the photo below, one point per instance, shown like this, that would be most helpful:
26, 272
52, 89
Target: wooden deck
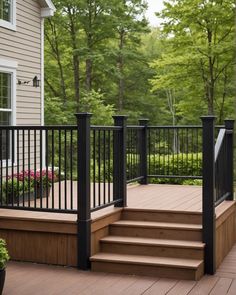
28, 279
152, 196
165, 197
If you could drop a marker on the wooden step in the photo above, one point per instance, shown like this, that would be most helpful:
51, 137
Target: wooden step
157, 230
152, 247
175, 268
162, 216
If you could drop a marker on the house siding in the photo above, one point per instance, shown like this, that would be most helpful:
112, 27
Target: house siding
24, 47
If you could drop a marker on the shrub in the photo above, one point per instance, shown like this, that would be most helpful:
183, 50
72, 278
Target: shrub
177, 164
4, 257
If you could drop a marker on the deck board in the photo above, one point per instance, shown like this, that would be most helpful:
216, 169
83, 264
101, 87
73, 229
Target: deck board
26, 279
152, 196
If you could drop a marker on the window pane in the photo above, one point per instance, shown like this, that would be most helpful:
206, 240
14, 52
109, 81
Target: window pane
5, 119
5, 10
5, 90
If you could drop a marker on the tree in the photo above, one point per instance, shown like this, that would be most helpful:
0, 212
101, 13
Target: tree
199, 58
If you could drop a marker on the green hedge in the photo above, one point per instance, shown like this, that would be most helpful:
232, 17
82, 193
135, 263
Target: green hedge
177, 164
181, 164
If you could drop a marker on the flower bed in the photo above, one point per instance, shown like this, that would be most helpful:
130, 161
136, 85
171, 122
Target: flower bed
26, 185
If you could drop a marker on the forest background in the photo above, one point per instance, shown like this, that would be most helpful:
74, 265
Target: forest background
104, 57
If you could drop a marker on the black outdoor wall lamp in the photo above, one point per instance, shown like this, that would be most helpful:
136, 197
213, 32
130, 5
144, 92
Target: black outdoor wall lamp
36, 82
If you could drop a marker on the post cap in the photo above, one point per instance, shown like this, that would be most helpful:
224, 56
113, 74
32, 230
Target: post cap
82, 115
208, 118
119, 117
229, 124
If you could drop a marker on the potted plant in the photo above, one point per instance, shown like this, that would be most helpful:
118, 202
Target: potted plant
4, 257
14, 189
27, 184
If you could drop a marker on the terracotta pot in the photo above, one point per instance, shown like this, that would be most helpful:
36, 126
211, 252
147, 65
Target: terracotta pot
2, 279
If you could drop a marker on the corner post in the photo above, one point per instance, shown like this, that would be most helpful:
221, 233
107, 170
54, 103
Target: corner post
83, 190
119, 160
229, 126
143, 144
208, 193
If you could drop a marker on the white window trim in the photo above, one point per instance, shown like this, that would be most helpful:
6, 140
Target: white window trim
10, 25
7, 66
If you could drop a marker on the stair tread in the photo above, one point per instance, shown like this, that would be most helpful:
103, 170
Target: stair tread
163, 211
154, 224
153, 242
147, 260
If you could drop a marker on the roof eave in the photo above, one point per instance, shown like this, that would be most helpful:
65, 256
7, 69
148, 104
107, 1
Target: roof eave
47, 9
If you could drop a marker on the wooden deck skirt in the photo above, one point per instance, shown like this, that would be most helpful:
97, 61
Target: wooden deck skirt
225, 229
51, 238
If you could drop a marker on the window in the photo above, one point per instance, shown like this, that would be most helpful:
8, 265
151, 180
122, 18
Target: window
7, 105
8, 14
5, 111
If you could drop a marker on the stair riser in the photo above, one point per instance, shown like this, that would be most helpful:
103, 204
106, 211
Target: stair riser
156, 233
162, 217
160, 251
147, 270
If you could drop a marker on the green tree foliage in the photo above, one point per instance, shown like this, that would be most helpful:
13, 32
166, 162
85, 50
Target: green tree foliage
101, 56
92, 48
198, 61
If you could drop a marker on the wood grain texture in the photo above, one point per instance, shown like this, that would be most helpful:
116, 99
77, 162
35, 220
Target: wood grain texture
225, 230
28, 279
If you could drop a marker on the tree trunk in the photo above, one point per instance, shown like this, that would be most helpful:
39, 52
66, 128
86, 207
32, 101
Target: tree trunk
120, 66
211, 86
76, 61
89, 66
56, 51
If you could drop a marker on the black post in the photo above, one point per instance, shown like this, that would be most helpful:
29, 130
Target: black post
83, 187
119, 162
143, 144
208, 193
229, 126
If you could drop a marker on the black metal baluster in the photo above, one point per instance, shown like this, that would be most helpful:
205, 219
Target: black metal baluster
168, 151
53, 168
94, 169
23, 164
12, 164
177, 146
35, 168
46, 159
29, 168
18, 167
7, 160
159, 152
65, 167
109, 166
104, 167
99, 168
59, 147
71, 170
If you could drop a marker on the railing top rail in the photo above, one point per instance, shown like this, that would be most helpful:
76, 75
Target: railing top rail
37, 127
135, 127
109, 128
219, 142
175, 127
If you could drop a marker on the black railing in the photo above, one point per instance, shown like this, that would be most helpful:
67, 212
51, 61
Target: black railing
217, 180
175, 152
80, 169
133, 150
38, 168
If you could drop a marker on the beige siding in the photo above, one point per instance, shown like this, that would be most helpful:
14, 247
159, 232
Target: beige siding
24, 46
